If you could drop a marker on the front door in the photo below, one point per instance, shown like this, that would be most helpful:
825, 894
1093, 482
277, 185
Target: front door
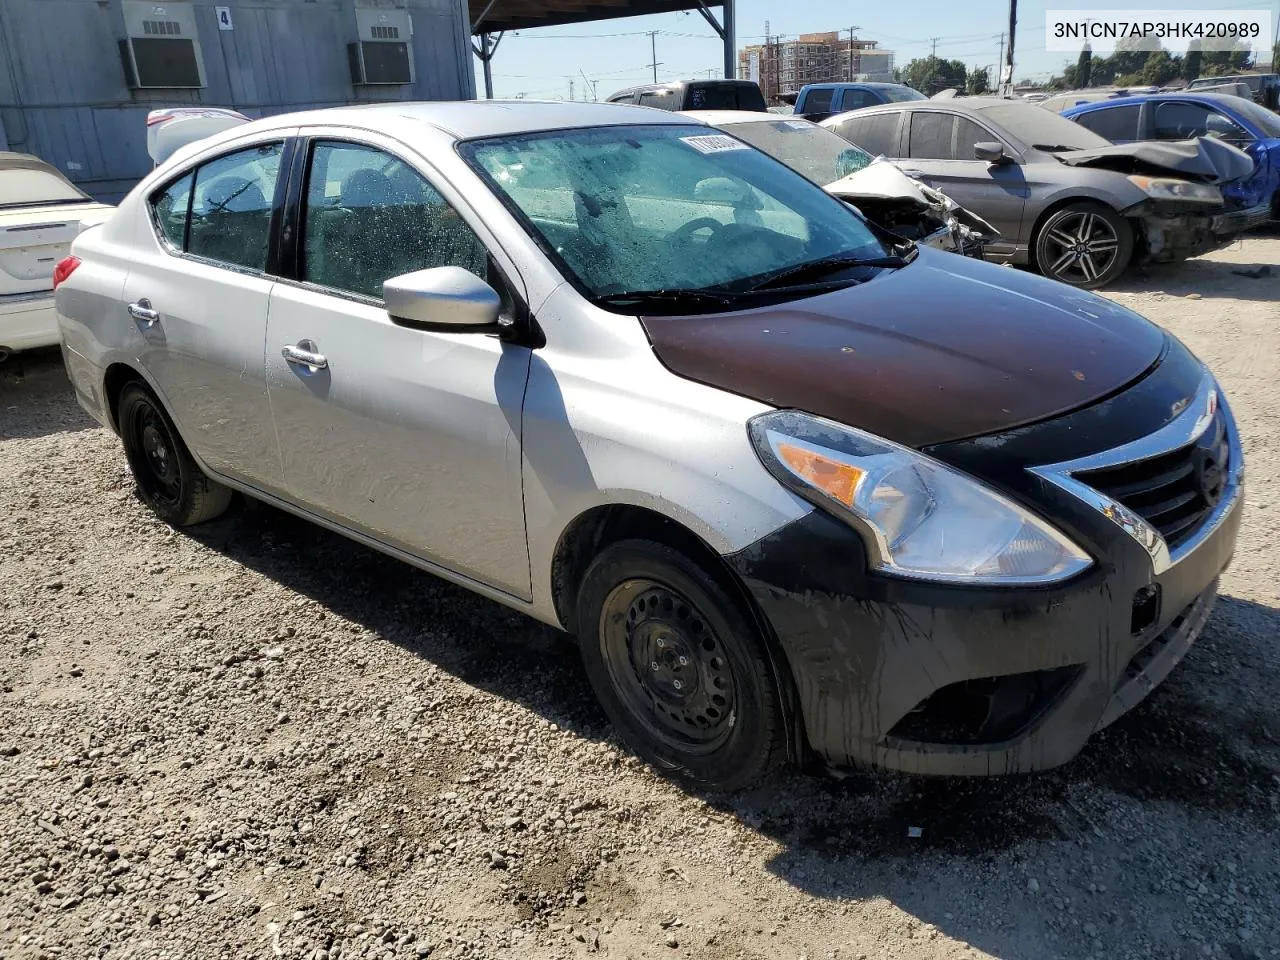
200, 296
939, 150
407, 435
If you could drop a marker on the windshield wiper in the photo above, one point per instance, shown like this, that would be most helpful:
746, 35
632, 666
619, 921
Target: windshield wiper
671, 298
1055, 147
817, 268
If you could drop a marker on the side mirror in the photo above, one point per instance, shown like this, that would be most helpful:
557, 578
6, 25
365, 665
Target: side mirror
446, 298
990, 151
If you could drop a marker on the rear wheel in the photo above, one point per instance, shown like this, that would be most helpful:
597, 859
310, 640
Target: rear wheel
1084, 244
679, 667
169, 480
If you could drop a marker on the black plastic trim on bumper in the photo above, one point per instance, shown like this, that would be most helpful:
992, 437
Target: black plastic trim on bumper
865, 650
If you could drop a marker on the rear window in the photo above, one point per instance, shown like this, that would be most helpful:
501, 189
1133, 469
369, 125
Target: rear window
724, 96
27, 187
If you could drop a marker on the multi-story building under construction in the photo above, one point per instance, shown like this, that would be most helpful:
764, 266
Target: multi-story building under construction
780, 66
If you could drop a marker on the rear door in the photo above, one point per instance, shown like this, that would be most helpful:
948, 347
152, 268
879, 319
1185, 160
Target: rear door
409, 436
199, 291
939, 150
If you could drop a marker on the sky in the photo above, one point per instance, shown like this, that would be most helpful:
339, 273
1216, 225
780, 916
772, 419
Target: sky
613, 54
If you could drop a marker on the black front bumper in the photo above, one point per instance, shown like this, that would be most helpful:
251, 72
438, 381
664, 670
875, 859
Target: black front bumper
938, 679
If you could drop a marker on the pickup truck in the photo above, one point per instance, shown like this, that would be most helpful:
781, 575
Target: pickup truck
817, 101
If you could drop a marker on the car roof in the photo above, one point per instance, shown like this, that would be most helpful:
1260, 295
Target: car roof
468, 119
720, 118
24, 161
866, 84
680, 84
1209, 99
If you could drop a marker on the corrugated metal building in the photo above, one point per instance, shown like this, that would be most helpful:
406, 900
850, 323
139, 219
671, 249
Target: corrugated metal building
78, 77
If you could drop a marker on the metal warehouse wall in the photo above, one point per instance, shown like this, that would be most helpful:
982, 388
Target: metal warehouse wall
63, 94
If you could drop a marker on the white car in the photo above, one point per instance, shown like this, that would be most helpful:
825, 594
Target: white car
877, 187
41, 212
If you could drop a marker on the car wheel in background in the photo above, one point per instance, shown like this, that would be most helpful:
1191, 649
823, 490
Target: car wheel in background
1084, 244
169, 480
679, 667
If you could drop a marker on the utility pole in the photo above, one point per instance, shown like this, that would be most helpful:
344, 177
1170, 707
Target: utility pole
1006, 72
999, 63
933, 65
766, 81
852, 31
571, 88
592, 85
653, 48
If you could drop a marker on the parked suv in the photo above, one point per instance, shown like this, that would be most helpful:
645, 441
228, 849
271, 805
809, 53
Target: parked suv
695, 95
1264, 87
817, 101
796, 484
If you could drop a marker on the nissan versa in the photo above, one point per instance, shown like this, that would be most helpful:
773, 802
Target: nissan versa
799, 487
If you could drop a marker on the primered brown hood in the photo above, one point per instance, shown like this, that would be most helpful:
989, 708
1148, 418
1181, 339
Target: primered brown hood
943, 349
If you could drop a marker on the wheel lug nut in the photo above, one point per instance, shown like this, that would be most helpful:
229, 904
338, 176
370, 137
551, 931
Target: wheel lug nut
662, 643
677, 684
683, 661
654, 666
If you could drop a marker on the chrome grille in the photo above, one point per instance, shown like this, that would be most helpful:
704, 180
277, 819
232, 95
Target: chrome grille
1175, 492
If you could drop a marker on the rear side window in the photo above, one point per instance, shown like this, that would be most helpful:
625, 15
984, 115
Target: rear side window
724, 96
171, 207
222, 211
818, 101
855, 99
1114, 123
371, 217
930, 136
878, 134
663, 100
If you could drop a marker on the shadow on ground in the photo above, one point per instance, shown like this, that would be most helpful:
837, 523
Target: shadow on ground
36, 398
1208, 278
1186, 746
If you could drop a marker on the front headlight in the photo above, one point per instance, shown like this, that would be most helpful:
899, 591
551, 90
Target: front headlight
1171, 188
922, 519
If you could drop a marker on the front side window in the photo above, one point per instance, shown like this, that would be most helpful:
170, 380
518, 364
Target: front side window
969, 135
231, 207
370, 217
876, 134
641, 209
819, 101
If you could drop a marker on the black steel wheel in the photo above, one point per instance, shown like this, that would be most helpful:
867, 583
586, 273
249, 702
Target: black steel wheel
678, 666
1084, 244
169, 480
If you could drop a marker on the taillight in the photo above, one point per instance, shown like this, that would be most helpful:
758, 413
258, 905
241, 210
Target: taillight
65, 268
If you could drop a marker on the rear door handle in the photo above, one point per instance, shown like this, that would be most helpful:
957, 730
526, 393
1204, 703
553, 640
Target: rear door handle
143, 314
303, 354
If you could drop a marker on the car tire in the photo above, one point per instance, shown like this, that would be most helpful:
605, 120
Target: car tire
679, 667
1084, 244
169, 480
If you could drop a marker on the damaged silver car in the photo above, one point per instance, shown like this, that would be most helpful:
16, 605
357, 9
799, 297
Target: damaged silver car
879, 189
1065, 200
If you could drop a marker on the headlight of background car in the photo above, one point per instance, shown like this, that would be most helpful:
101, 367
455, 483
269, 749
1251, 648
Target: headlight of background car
1171, 188
923, 519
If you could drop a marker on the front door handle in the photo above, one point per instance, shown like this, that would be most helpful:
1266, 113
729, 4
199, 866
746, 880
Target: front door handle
143, 314
303, 354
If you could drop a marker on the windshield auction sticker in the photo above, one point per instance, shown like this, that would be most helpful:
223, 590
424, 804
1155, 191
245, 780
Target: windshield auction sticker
714, 143
1067, 31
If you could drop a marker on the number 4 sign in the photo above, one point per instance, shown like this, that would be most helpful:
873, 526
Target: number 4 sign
224, 18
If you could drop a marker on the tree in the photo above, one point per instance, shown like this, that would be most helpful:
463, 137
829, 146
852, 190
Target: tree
1191, 62
979, 82
1084, 67
1159, 69
1218, 63
931, 74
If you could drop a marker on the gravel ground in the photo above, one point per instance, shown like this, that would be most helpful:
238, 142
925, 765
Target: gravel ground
257, 739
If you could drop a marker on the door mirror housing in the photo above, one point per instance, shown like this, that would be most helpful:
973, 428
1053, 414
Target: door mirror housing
990, 151
444, 298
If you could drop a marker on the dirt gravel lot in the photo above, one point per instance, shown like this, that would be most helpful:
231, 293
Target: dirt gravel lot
257, 739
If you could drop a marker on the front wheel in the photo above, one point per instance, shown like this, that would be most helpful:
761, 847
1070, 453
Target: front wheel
679, 667
1084, 244
169, 480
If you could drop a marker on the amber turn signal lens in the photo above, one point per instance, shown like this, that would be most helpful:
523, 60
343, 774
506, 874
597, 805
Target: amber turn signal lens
836, 479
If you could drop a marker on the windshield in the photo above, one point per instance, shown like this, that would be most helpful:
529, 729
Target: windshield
1043, 129
27, 187
900, 94
808, 149
642, 209
1258, 115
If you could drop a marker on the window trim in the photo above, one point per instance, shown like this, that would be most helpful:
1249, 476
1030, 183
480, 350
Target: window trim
288, 145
